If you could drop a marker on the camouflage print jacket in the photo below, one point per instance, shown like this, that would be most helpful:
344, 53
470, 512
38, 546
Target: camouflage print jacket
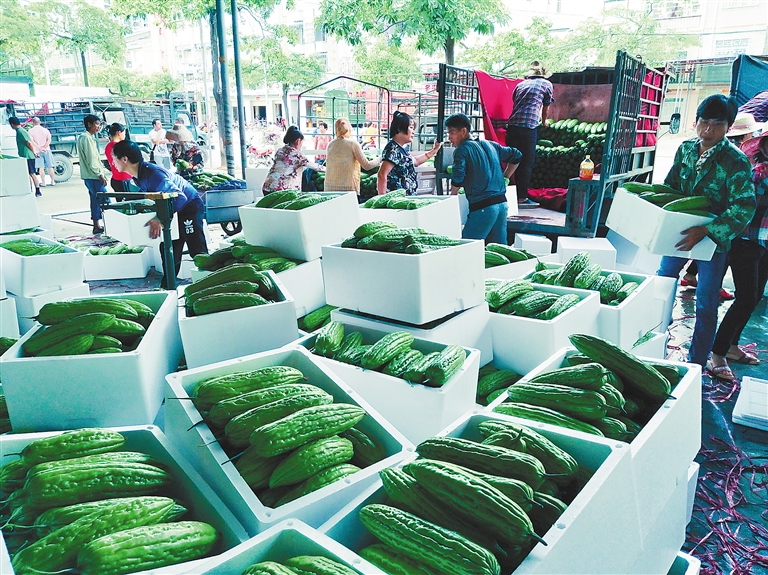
725, 178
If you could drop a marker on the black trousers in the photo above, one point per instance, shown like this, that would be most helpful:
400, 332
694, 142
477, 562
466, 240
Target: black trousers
749, 266
190, 220
524, 139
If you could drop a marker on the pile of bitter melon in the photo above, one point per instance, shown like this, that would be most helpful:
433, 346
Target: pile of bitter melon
578, 272
300, 565
603, 390
670, 199
392, 355
388, 237
398, 200
316, 319
89, 325
288, 436
78, 502
499, 255
28, 247
233, 287
518, 297
293, 200
470, 508
260, 257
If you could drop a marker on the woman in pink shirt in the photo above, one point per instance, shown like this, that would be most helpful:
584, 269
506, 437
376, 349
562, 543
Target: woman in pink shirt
120, 180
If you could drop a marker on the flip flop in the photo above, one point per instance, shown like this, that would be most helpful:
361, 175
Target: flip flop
720, 371
746, 357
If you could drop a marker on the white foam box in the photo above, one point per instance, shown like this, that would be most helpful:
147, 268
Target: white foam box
412, 288
624, 323
537, 245
655, 347
522, 343
517, 270
685, 564
98, 390
198, 274
468, 328
46, 222
29, 307
254, 179
751, 407
299, 234
131, 229
188, 488
18, 213
693, 482
663, 541
287, 539
600, 520
655, 229
185, 428
601, 251
511, 204
34, 275
632, 258
441, 218
116, 267
2, 285
14, 177
9, 323
663, 451
665, 292
229, 334
185, 270
416, 410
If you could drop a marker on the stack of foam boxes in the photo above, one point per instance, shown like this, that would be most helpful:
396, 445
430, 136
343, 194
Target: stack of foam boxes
439, 297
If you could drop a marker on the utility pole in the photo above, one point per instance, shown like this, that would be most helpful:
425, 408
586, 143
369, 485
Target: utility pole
239, 86
205, 96
225, 88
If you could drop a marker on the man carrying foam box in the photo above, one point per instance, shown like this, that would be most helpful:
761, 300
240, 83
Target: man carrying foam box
477, 168
711, 166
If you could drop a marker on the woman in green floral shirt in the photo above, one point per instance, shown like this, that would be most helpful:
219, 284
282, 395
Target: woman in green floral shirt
711, 166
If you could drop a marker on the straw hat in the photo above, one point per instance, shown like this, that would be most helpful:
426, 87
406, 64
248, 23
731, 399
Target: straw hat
537, 69
744, 124
180, 133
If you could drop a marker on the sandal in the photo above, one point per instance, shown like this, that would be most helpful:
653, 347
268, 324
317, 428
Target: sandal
720, 371
746, 357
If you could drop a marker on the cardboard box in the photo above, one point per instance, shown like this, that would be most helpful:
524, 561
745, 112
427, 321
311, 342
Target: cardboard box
416, 410
14, 177
102, 390
18, 213
599, 521
522, 343
28, 307
537, 245
601, 251
441, 218
9, 323
663, 451
411, 288
468, 328
194, 439
34, 275
299, 234
287, 539
657, 230
115, 267
188, 487
624, 323
132, 229
229, 334
517, 270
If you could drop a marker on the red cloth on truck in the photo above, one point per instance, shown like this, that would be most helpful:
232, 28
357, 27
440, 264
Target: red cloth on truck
496, 98
550, 198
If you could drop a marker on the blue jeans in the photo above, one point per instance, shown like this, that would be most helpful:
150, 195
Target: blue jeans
95, 187
489, 224
710, 280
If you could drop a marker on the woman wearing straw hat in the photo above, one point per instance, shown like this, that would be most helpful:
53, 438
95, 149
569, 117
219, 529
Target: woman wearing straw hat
530, 102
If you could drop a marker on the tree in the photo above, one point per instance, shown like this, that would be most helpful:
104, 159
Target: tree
80, 26
269, 55
21, 35
386, 64
133, 85
436, 24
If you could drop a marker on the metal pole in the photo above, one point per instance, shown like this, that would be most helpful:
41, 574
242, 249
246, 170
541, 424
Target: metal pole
239, 86
205, 96
225, 88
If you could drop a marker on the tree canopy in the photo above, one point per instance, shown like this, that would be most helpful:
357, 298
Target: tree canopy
392, 65
131, 84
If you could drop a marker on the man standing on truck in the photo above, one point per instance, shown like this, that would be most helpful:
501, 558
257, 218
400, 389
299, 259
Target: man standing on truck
26, 149
91, 168
160, 152
477, 168
42, 137
530, 102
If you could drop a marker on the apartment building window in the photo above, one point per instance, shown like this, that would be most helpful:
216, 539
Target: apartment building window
675, 9
739, 3
322, 57
299, 27
731, 47
320, 35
